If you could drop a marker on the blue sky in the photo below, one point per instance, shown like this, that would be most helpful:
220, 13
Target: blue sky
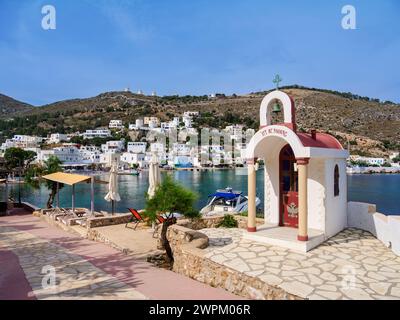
196, 47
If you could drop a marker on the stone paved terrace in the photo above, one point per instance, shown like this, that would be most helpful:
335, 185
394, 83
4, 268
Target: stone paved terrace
322, 273
84, 269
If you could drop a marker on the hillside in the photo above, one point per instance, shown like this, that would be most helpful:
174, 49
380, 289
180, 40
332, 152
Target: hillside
10, 106
370, 127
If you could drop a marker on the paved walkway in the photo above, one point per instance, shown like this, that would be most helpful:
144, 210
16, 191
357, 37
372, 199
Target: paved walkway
351, 265
139, 243
84, 269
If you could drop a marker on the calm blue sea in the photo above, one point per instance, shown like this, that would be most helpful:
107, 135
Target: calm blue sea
383, 190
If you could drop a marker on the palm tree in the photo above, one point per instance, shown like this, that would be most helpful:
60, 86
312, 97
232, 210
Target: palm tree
34, 174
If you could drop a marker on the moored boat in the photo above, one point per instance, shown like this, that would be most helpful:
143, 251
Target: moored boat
226, 201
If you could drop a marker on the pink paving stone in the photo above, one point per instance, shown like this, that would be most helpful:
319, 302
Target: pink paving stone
13, 284
153, 282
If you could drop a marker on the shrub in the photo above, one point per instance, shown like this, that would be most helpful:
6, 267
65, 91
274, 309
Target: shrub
228, 221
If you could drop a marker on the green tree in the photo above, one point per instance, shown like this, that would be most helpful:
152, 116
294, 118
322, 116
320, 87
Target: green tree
34, 178
170, 197
17, 157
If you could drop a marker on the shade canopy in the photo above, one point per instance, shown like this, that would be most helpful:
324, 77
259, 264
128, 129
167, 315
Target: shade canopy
66, 178
225, 195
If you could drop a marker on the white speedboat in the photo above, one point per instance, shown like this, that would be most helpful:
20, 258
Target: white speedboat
226, 201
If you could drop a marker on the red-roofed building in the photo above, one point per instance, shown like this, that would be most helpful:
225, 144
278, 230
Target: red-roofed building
304, 178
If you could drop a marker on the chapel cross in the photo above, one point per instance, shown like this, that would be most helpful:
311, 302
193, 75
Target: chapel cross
277, 80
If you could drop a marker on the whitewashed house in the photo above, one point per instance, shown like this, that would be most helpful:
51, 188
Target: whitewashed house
139, 123
96, 133
67, 154
370, 161
137, 147
151, 121
113, 146
116, 124
21, 141
90, 154
133, 158
56, 138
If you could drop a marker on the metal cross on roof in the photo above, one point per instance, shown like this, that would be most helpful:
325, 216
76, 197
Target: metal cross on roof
277, 80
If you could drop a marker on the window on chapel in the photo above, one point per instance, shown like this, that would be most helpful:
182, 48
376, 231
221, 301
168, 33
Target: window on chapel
336, 181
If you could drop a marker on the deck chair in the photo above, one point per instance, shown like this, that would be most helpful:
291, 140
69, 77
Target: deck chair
160, 220
136, 218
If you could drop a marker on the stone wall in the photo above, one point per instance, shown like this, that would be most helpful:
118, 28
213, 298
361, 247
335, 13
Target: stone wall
189, 260
213, 221
95, 235
51, 221
385, 228
107, 221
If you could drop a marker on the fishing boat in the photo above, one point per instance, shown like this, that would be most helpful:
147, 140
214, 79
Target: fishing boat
227, 201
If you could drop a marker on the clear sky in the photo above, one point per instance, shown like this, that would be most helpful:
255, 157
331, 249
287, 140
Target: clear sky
197, 47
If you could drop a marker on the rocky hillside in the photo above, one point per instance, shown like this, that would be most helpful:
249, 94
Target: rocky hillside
11, 106
369, 126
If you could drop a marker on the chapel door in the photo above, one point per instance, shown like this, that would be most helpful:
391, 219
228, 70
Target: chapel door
289, 198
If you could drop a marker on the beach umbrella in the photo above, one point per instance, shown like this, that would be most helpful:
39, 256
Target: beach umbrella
154, 175
113, 194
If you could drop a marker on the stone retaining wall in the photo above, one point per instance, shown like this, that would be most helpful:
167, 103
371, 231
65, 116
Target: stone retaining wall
95, 235
385, 228
213, 221
189, 260
107, 221
41, 214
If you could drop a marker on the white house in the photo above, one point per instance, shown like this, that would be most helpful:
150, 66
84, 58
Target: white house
67, 154
57, 138
96, 133
22, 141
133, 158
116, 124
90, 154
157, 147
370, 161
137, 125
187, 121
107, 159
151, 121
137, 147
113, 146
305, 180
191, 114
394, 155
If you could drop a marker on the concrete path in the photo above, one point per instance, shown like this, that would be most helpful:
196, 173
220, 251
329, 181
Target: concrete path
351, 265
84, 269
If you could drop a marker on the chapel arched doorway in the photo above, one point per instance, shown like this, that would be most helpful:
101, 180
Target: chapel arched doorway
289, 188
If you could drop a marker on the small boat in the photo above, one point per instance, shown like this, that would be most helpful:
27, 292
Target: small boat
226, 201
134, 172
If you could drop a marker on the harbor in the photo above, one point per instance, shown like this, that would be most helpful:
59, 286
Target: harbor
381, 189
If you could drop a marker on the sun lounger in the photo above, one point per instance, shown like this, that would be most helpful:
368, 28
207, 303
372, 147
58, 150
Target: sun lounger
135, 219
160, 220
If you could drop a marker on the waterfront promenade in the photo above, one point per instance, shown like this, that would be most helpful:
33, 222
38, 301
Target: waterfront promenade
84, 269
